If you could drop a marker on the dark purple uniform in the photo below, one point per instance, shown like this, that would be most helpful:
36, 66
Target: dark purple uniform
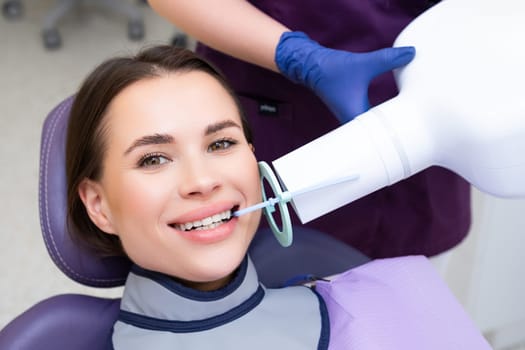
425, 214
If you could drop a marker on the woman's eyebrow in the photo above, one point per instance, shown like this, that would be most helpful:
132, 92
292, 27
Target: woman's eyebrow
213, 128
156, 139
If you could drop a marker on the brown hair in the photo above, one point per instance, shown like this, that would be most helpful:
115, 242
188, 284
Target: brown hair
85, 144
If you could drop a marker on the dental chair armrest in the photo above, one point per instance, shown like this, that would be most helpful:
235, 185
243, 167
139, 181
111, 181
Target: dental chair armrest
68, 321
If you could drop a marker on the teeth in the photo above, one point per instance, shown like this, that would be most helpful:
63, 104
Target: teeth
206, 223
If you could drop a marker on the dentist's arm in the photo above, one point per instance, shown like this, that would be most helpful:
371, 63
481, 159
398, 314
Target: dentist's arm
234, 27
237, 28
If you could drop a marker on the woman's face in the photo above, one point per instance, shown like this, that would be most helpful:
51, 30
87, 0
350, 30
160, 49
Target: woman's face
176, 166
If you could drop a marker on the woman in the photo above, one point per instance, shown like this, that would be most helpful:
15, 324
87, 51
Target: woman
158, 157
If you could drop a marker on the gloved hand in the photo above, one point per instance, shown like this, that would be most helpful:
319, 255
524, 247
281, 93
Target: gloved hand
339, 78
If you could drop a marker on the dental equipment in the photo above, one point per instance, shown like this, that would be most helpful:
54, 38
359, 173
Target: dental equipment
460, 106
285, 234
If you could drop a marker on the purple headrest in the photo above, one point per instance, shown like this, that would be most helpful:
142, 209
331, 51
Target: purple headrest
83, 266
77, 262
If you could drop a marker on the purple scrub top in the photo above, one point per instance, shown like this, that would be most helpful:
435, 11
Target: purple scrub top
427, 213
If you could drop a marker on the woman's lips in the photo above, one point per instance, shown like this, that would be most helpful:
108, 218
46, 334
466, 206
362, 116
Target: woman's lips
209, 235
208, 222
204, 211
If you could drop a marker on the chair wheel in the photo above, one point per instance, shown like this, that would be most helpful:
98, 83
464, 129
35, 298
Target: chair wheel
51, 38
12, 9
136, 29
180, 40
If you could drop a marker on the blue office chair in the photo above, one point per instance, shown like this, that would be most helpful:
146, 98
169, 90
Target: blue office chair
81, 322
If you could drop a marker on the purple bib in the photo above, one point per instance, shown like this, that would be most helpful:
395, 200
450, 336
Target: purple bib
399, 303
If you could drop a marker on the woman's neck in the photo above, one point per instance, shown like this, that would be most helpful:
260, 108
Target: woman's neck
208, 286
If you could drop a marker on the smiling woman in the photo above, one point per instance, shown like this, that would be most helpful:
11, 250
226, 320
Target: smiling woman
88, 128
158, 157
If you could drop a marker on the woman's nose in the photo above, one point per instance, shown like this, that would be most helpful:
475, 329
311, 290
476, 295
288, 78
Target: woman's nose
198, 179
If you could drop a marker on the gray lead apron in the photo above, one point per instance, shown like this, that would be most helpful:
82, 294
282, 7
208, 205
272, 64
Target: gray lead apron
160, 313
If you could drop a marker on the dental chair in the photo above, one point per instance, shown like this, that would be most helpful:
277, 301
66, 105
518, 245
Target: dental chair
81, 322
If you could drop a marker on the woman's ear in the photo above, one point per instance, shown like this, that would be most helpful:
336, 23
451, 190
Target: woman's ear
92, 195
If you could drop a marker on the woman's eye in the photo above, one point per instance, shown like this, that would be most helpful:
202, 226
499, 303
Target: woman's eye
221, 145
152, 160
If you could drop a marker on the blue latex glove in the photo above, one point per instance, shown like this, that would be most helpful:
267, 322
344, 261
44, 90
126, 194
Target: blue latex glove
339, 78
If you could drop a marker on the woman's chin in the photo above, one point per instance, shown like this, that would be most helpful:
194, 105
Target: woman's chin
221, 271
